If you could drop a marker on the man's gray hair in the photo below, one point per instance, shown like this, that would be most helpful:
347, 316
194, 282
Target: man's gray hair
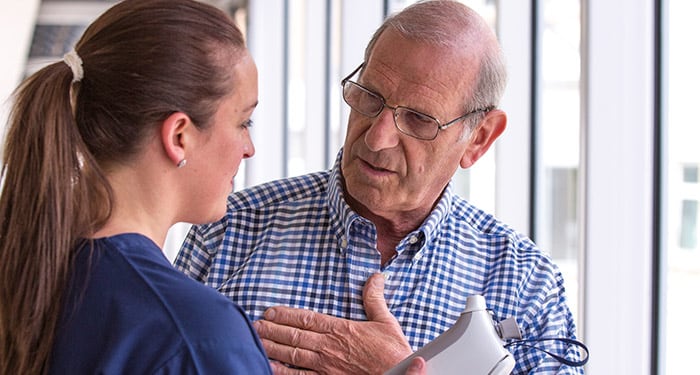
451, 24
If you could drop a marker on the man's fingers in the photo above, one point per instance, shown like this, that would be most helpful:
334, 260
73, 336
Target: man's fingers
289, 336
291, 345
304, 319
373, 298
329, 344
287, 354
282, 369
417, 367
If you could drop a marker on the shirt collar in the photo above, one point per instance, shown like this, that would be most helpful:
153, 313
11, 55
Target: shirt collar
431, 225
343, 216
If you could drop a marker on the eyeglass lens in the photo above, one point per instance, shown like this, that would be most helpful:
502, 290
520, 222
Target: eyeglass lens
415, 123
408, 121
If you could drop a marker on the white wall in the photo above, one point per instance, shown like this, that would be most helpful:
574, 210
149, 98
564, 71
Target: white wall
513, 147
618, 168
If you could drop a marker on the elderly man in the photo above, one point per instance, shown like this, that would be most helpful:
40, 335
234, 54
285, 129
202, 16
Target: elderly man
297, 253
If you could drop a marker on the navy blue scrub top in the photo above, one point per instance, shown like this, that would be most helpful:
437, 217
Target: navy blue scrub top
128, 311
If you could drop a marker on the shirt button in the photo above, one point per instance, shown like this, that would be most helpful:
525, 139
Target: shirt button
413, 240
344, 243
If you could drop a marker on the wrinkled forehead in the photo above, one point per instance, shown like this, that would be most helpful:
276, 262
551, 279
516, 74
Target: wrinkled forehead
400, 61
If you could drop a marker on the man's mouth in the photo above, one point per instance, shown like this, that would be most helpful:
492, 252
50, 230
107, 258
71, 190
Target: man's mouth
374, 167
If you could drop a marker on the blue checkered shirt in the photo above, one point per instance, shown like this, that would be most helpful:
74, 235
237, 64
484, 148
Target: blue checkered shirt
296, 242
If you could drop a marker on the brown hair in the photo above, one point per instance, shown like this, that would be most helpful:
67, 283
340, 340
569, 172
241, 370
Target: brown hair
143, 60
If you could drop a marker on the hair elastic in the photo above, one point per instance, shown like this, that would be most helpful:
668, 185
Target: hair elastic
75, 63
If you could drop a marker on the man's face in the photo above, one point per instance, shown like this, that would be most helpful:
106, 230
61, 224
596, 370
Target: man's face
386, 172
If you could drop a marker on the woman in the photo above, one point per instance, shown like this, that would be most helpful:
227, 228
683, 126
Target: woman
143, 125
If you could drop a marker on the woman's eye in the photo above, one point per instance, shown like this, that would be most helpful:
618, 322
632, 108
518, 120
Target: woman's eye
247, 124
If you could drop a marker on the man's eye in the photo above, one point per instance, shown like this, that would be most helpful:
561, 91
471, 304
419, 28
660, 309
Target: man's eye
417, 119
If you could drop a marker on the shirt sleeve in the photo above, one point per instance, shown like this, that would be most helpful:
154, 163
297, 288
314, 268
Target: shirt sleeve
546, 315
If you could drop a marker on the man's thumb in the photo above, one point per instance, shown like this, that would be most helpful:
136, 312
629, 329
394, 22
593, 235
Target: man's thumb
373, 298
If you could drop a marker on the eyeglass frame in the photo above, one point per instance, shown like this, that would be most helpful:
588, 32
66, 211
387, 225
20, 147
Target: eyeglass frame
393, 109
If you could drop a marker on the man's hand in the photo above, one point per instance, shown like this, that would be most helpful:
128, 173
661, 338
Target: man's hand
328, 345
417, 367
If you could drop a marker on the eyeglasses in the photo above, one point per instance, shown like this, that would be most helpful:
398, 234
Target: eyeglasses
408, 121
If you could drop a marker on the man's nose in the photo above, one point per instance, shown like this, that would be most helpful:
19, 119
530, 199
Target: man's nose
382, 132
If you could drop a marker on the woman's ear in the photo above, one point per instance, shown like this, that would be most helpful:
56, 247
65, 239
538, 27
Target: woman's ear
174, 137
483, 136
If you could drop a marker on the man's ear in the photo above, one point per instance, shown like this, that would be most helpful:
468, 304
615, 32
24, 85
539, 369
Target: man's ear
483, 136
174, 137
